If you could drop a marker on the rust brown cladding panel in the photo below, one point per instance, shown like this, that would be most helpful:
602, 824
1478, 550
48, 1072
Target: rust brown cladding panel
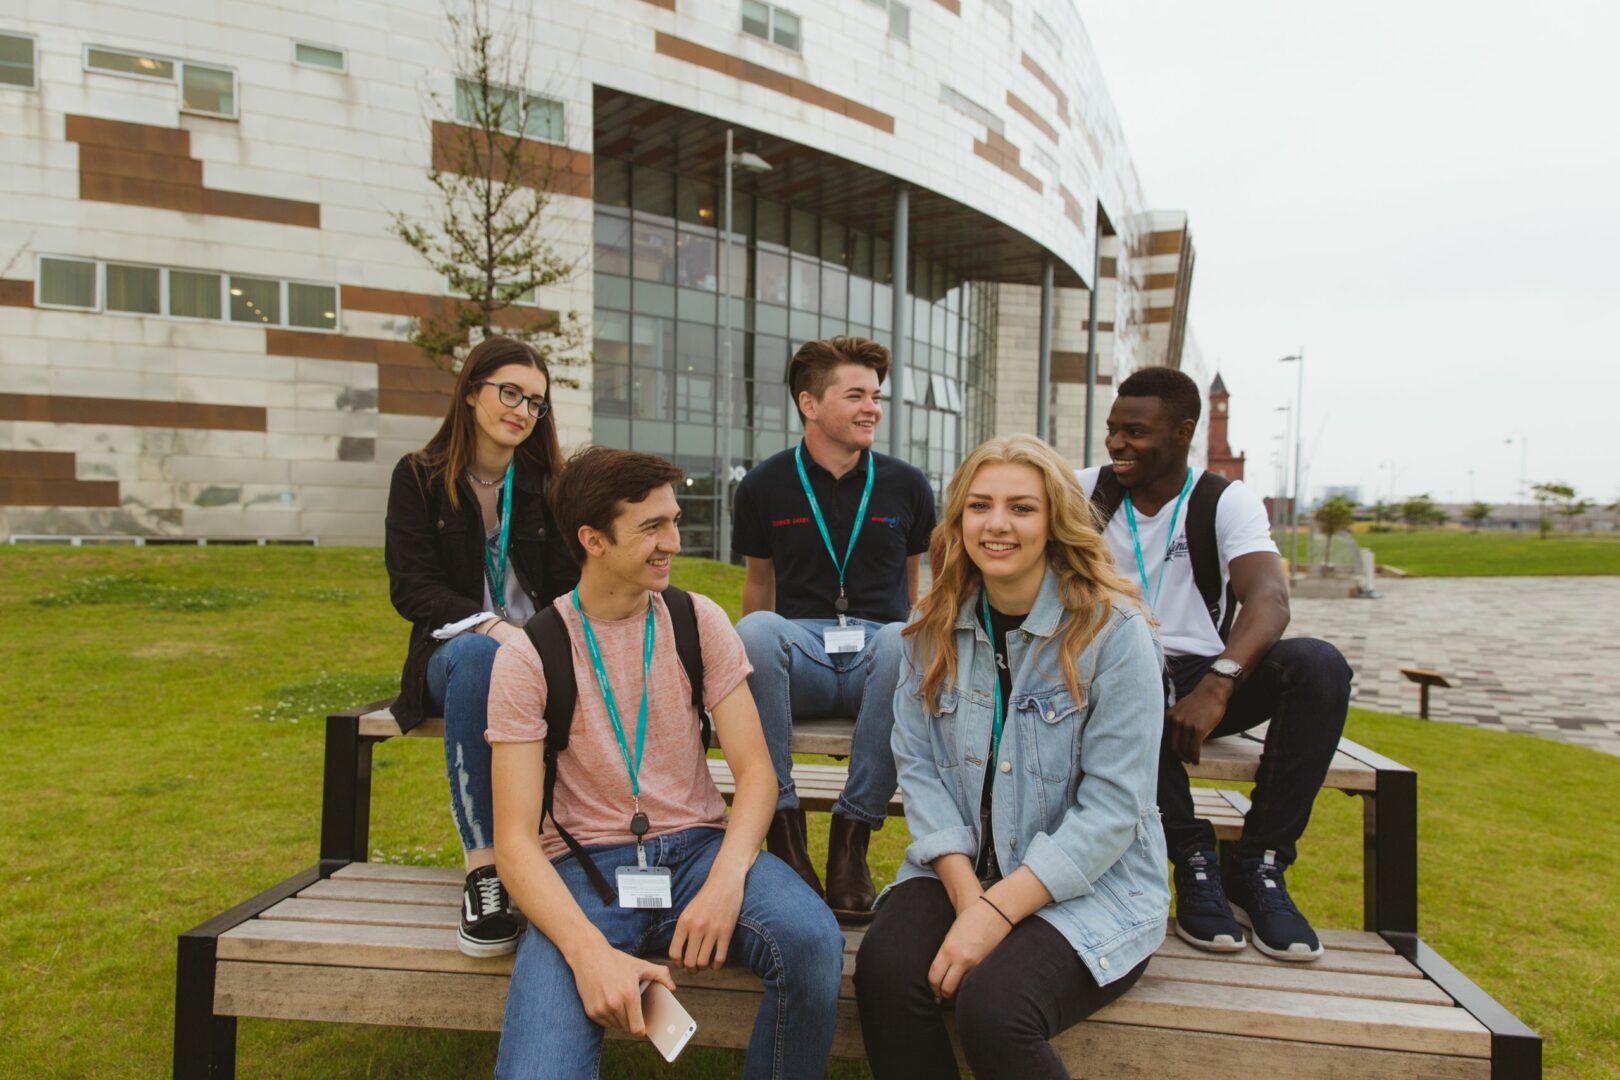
1166, 243
1045, 80
411, 402
1109, 267
36, 465
20, 492
146, 138
667, 5
561, 171
16, 293
144, 165
747, 71
1160, 281
1070, 367
1072, 209
1158, 315
1027, 111
952, 6
427, 306
1004, 156
131, 412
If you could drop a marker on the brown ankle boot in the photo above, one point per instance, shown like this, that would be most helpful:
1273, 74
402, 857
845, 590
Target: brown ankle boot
789, 840
849, 885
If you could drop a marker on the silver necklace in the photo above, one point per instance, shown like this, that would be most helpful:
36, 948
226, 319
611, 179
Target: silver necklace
480, 481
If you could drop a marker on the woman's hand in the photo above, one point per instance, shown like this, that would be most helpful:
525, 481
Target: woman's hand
976, 932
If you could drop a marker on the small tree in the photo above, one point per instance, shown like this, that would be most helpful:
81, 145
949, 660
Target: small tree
1382, 513
1332, 517
1420, 510
1476, 514
1551, 497
490, 181
1574, 509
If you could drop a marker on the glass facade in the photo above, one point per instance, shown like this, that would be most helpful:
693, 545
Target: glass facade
794, 276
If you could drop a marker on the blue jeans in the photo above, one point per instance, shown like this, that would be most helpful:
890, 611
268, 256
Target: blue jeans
795, 679
785, 934
458, 683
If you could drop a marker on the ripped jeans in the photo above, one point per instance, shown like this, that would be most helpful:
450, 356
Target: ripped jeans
458, 683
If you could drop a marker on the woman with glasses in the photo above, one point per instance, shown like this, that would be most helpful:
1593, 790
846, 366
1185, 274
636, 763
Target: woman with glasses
1026, 737
472, 552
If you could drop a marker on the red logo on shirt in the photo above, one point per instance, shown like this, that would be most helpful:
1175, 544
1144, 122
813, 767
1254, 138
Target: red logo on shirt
779, 522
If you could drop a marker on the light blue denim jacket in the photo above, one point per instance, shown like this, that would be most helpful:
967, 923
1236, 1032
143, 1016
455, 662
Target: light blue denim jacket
1075, 794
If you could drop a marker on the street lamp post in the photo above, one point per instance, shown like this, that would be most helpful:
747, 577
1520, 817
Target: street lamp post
1299, 425
1282, 463
722, 530
1524, 459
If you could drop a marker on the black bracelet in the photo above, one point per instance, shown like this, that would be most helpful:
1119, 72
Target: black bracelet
995, 909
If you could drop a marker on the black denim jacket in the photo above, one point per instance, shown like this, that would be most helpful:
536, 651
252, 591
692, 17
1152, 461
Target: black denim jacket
435, 560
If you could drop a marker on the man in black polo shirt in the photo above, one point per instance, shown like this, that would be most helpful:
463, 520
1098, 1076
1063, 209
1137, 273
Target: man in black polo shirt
833, 534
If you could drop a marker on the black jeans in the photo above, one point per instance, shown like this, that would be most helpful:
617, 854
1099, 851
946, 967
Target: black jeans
1030, 988
1303, 687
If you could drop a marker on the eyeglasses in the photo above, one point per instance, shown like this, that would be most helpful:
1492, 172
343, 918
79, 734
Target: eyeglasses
512, 396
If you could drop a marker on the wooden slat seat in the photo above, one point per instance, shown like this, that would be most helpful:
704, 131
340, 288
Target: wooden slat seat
368, 945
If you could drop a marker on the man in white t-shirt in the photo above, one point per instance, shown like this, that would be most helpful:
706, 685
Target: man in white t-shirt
1200, 547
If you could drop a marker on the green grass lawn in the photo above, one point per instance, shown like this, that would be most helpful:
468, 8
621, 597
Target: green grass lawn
164, 736
1456, 552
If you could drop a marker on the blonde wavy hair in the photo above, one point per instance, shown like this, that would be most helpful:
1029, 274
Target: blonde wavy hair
1087, 580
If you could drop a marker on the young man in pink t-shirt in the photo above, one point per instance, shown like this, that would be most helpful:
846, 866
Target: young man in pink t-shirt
634, 790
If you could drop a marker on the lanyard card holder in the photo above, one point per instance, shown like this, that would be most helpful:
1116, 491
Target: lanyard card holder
843, 639
644, 887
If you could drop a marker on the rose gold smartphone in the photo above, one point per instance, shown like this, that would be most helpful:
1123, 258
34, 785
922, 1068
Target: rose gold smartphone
669, 1026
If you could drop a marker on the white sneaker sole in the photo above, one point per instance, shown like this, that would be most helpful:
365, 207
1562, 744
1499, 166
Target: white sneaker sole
484, 949
1296, 953
1222, 944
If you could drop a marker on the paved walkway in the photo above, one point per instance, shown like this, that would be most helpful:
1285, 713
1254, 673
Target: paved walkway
1535, 654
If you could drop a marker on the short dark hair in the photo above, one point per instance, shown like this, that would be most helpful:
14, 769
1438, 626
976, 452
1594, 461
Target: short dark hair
813, 365
596, 480
1175, 388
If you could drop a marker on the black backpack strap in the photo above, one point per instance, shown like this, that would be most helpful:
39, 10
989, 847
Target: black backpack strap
1203, 546
550, 637
1106, 496
689, 648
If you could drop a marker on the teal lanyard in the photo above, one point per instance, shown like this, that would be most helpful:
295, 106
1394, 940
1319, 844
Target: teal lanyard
632, 765
842, 604
1169, 541
496, 565
1001, 708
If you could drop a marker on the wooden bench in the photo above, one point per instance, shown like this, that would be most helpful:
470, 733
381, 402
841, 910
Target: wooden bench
353, 942
377, 944
1387, 788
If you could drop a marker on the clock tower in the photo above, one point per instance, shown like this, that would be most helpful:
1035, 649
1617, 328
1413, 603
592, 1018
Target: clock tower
1221, 459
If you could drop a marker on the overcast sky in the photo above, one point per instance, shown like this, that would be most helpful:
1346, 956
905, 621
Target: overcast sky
1425, 196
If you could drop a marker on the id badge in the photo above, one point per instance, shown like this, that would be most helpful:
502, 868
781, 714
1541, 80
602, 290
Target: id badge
644, 887
843, 639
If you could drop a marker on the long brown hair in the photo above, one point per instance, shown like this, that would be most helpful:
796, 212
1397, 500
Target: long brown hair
451, 450
1088, 584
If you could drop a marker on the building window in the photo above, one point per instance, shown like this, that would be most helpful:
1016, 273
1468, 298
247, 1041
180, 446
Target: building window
66, 283
512, 111
136, 289
772, 23
899, 17
1043, 29
19, 63
971, 109
204, 88
319, 56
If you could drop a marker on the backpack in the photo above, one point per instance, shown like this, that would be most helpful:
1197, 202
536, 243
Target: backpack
1202, 545
549, 635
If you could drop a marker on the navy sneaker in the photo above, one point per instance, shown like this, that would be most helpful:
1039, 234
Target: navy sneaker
488, 926
1261, 902
1203, 916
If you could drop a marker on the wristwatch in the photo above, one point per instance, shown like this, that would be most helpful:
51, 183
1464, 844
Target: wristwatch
1227, 668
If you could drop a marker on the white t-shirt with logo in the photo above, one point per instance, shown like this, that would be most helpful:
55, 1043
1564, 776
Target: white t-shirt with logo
1241, 528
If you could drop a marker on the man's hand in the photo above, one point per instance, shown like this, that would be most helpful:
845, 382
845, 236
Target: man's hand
609, 984
703, 932
1193, 717
978, 929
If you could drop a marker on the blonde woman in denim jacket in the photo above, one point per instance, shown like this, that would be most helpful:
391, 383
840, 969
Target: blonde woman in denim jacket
1034, 889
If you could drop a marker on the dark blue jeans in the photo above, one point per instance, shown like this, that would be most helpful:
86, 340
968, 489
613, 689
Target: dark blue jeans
1303, 687
785, 934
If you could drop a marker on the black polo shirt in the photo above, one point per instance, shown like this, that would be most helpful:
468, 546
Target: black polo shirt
772, 520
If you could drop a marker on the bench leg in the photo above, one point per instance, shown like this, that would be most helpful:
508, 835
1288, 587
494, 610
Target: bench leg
204, 1044
345, 792
1389, 853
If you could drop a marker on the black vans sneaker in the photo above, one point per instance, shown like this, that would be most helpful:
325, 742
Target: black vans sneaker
488, 927
1203, 917
1261, 902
